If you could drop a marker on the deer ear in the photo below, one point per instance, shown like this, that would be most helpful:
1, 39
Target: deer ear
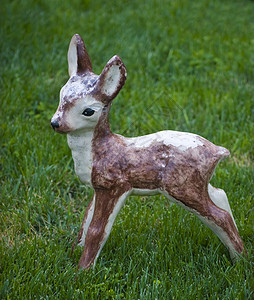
111, 79
78, 59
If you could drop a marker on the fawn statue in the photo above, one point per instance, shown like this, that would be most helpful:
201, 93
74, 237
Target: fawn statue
178, 165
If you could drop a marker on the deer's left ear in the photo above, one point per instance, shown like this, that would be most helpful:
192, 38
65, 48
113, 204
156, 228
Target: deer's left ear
78, 59
111, 80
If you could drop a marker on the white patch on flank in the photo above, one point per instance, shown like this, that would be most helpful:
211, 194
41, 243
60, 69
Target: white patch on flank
111, 220
182, 140
87, 223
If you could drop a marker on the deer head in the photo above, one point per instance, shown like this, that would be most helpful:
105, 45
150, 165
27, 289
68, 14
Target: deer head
86, 96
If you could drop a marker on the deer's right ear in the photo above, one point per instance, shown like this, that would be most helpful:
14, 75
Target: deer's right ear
111, 80
78, 59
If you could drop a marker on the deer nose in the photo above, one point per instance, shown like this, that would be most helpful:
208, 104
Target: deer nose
54, 124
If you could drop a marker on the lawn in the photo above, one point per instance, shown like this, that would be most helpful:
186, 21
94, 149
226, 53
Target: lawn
190, 68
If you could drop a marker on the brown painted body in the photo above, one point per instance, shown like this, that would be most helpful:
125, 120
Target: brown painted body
158, 166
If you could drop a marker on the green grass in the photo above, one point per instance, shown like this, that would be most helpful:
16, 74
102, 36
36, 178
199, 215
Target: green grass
190, 68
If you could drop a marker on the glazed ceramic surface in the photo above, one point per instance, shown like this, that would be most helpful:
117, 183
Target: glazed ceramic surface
178, 165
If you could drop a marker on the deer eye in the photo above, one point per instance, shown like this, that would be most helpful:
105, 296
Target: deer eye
88, 112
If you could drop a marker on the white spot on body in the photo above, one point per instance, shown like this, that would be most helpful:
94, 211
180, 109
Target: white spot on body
182, 140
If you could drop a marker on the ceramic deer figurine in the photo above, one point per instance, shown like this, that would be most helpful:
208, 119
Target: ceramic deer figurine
178, 165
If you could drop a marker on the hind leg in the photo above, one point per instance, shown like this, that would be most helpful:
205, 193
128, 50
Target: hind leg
216, 218
220, 199
222, 224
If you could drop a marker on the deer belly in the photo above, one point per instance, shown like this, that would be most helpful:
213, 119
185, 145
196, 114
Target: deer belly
145, 192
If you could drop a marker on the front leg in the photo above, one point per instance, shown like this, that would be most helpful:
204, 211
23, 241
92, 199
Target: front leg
106, 207
85, 224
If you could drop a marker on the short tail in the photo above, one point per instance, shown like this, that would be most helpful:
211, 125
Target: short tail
222, 152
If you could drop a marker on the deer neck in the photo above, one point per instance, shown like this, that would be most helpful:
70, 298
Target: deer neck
80, 144
102, 129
